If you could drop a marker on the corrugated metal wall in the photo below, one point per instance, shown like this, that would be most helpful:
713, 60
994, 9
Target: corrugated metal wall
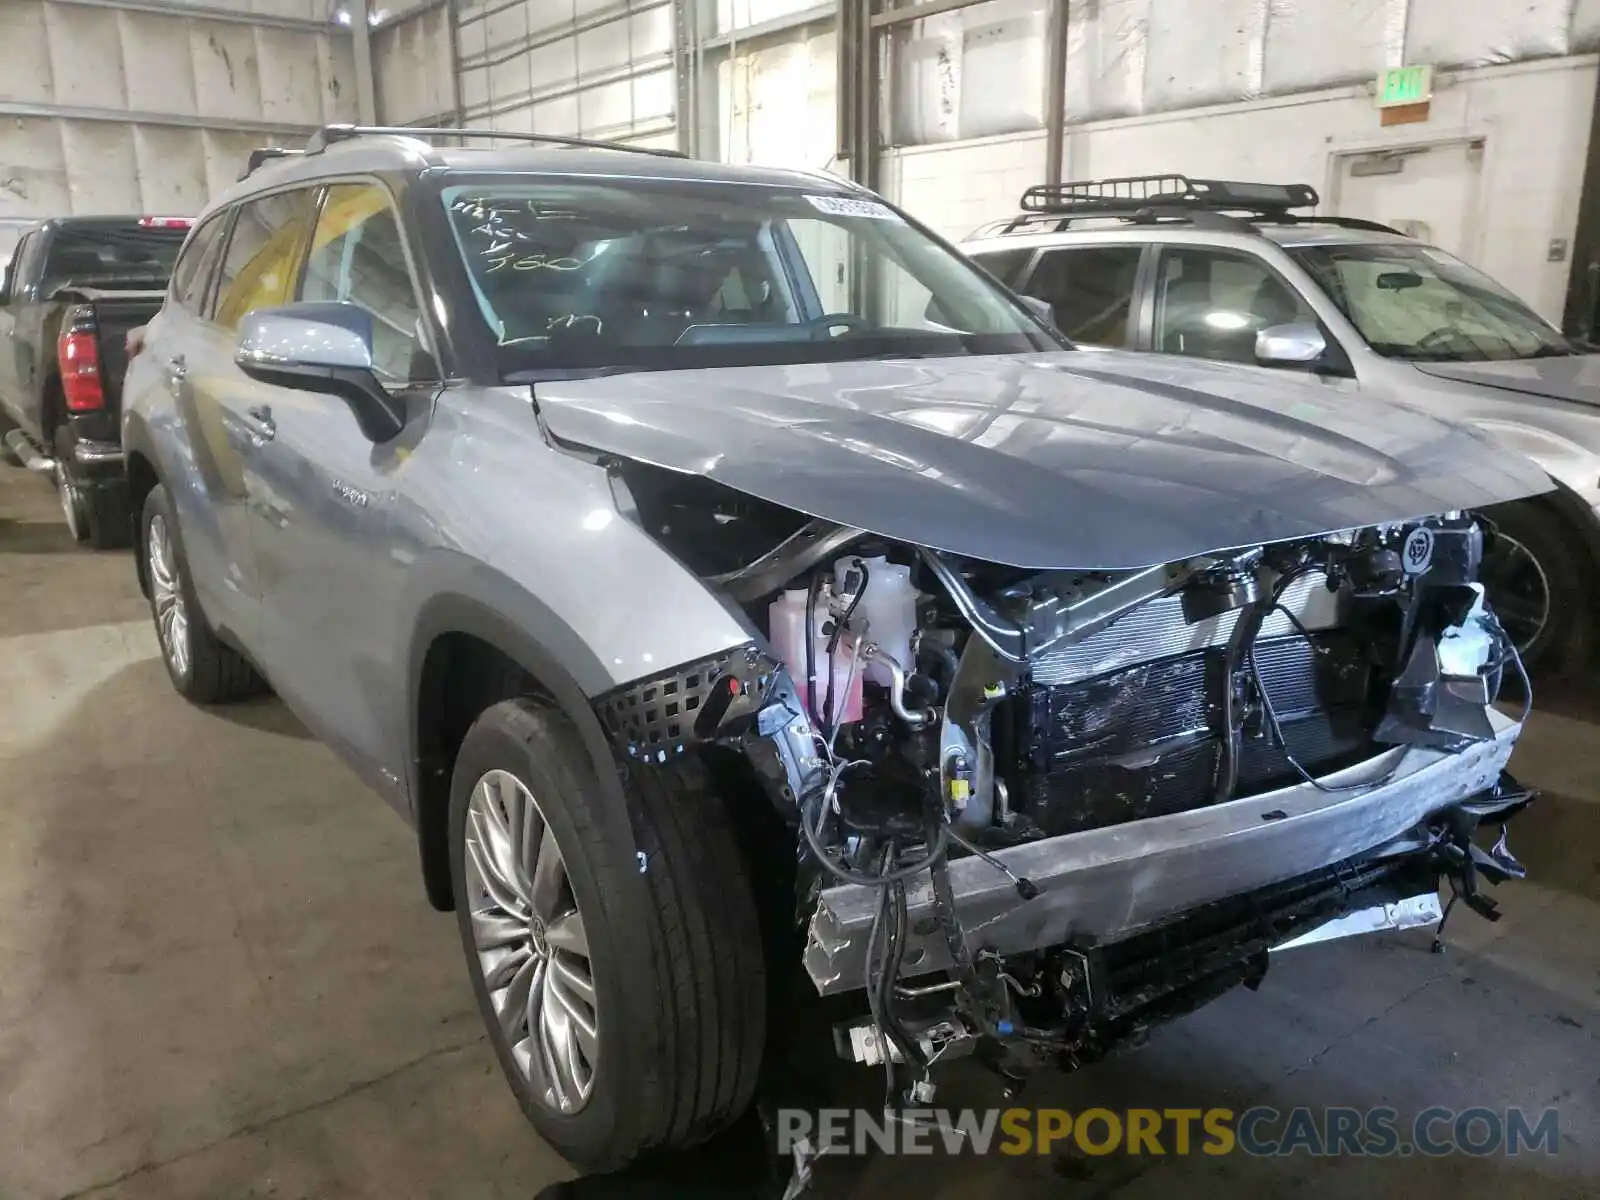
596, 68
153, 105
1128, 57
412, 66
979, 71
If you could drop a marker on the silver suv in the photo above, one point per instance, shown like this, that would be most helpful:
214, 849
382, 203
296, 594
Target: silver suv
732, 583
1232, 272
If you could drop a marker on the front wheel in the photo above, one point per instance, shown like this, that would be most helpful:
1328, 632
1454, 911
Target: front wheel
613, 950
1541, 586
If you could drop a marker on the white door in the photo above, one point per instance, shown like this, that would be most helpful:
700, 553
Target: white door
1428, 191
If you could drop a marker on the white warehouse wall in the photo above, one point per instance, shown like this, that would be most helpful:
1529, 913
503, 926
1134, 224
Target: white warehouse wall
1265, 89
777, 102
1534, 119
412, 72
105, 109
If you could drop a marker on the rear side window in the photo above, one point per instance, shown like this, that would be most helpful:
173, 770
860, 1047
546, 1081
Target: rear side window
1090, 290
1004, 265
263, 255
190, 276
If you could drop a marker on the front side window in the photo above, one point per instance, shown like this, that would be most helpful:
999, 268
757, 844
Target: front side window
668, 273
1211, 304
1090, 291
1416, 302
358, 257
263, 254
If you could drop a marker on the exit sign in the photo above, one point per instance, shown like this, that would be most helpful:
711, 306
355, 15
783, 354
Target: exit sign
1405, 85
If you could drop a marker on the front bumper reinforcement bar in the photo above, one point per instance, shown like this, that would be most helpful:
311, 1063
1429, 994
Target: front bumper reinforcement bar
1101, 885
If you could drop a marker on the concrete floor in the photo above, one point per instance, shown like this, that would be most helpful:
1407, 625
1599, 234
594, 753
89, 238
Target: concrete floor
219, 978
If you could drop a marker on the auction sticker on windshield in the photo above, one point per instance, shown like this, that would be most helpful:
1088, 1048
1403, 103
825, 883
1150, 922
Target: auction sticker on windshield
849, 206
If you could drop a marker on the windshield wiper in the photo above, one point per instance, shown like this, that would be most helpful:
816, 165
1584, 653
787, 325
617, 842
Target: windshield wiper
567, 374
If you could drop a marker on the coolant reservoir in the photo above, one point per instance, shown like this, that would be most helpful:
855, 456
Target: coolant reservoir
887, 613
787, 633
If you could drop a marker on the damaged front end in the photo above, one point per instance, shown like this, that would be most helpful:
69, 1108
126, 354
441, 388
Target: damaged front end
1037, 812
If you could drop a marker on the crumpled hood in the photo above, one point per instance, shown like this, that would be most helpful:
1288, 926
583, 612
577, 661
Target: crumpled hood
1575, 377
1060, 460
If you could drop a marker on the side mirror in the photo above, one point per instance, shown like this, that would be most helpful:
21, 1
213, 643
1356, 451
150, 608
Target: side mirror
1299, 344
320, 347
1041, 309
5, 280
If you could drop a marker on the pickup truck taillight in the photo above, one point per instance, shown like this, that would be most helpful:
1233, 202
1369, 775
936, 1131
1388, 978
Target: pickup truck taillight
79, 356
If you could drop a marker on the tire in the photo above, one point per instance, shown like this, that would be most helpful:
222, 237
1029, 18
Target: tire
95, 518
1538, 551
73, 506
202, 668
668, 913
109, 526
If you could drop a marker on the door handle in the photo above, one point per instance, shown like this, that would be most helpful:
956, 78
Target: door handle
177, 368
259, 421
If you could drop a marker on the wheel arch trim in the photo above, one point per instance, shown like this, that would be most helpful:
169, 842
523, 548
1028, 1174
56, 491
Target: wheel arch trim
485, 612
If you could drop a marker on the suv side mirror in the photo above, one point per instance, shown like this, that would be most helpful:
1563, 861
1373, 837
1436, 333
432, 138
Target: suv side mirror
320, 347
5, 280
1041, 309
1298, 344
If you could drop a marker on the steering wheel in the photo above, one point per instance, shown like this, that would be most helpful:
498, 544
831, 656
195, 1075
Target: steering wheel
822, 328
1439, 339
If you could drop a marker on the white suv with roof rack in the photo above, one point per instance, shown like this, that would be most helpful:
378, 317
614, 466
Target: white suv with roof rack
1232, 272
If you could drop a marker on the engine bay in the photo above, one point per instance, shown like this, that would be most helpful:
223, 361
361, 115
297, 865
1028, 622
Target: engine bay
1022, 800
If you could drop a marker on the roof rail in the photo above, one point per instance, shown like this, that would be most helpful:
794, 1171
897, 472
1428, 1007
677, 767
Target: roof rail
330, 134
265, 154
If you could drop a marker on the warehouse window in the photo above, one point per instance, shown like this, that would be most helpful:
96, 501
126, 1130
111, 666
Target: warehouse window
258, 270
1090, 291
358, 257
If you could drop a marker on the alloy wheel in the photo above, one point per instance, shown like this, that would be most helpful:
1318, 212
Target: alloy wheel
528, 933
1519, 590
166, 595
71, 502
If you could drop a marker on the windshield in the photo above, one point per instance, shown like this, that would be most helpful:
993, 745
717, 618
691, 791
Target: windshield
581, 273
126, 257
1417, 302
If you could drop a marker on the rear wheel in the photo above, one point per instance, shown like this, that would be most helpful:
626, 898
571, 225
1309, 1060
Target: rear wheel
73, 507
202, 667
1541, 586
613, 950
95, 517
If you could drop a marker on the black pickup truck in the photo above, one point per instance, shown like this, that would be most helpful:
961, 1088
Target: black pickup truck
73, 291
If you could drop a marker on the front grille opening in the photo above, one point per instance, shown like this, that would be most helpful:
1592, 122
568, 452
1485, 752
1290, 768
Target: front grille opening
1145, 740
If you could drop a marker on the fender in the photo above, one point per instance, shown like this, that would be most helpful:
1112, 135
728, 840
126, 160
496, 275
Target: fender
488, 606
1574, 470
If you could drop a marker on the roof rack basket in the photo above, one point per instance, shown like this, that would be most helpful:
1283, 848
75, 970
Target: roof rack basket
1170, 193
